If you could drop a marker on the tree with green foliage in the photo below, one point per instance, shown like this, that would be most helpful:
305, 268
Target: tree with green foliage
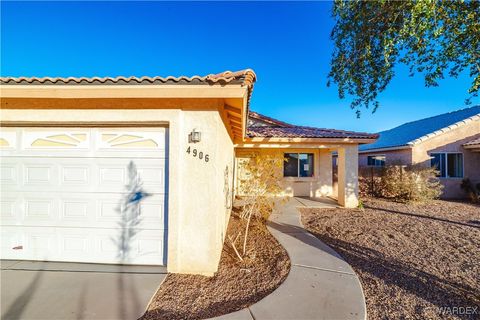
431, 37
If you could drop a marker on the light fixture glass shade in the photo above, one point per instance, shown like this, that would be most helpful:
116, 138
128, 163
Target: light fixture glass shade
194, 136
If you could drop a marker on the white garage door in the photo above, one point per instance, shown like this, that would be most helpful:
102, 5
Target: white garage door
84, 195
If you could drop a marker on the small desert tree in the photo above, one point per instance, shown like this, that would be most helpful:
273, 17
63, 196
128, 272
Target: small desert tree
261, 181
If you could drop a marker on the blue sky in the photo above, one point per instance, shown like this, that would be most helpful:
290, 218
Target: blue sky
287, 44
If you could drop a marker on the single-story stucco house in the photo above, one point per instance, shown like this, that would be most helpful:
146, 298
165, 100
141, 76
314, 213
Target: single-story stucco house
142, 170
450, 142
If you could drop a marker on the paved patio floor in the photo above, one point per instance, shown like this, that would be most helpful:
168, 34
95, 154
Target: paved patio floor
49, 290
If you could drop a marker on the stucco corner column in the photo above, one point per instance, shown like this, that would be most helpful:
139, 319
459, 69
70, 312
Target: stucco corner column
325, 174
348, 176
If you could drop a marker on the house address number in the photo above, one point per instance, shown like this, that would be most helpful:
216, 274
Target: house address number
195, 153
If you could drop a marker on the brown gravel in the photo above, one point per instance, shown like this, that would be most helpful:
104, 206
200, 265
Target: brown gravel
412, 259
235, 286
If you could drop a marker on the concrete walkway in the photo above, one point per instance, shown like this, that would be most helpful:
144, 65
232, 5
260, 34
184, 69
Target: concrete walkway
55, 290
320, 285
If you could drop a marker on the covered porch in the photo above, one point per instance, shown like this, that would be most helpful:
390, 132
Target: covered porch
306, 153
308, 171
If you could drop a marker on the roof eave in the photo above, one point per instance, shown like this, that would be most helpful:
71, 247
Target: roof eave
121, 91
230, 87
277, 140
134, 97
472, 146
402, 147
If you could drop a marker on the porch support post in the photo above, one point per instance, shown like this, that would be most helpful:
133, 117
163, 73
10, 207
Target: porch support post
325, 173
348, 176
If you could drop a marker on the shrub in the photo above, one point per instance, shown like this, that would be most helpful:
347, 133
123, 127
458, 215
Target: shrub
472, 190
369, 180
401, 183
262, 180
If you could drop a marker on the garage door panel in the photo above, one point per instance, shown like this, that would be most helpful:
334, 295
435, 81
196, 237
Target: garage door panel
67, 194
147, 213
9, 174
75, 209
152, 212
40, 243
11, 238
36, 174
40, 210
145, 246
74, 244
9, 209
82, 245
114, 175
74, 175
80, 210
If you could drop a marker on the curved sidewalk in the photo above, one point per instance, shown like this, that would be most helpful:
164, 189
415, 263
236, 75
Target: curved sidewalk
320, 285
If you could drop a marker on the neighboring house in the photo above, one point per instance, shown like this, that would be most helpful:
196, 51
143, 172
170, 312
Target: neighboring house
141, 170
450, 142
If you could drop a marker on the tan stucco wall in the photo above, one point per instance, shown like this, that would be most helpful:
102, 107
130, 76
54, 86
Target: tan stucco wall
197, 210
205, 211
320, 185
452, 141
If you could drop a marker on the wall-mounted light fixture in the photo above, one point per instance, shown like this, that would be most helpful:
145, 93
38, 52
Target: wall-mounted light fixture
194, 136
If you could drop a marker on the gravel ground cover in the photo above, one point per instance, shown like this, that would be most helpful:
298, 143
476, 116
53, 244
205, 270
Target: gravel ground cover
415, 261
235, 286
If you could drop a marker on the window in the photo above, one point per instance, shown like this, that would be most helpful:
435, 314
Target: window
298, 165
376, 161
438, 161
449, 165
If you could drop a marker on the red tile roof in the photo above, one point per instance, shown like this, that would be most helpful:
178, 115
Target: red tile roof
244, 77
267, 120
280, 129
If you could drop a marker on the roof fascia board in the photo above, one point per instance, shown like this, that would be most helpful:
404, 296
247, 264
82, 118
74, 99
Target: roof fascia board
386, 149
122, 91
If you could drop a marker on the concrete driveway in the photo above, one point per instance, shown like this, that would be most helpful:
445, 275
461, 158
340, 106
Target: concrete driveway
49, 290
